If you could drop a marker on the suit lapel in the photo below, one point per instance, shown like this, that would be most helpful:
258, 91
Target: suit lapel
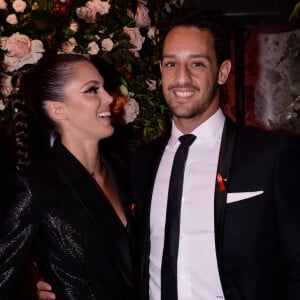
119, 179
79, 183
84, 190
223, 178
145, 172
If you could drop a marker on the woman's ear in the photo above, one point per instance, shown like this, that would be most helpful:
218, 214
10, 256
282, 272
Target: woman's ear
224, 71
56, 110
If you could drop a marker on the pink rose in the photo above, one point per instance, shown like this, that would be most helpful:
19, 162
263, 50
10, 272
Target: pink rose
103, 7
141, 17
74, 26
68, 46
12, 19
3, 4
19, 5
19, 50
91, 8
18, 46
93, 48
107, 44
135, 38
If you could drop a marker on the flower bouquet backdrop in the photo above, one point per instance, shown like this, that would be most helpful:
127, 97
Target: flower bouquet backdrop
119, 35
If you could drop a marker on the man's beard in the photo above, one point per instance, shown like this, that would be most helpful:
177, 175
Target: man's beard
198, 109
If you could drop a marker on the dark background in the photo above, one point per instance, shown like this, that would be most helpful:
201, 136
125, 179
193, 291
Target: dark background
263, 14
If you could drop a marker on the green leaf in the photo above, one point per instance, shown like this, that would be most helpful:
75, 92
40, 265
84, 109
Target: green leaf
295, 11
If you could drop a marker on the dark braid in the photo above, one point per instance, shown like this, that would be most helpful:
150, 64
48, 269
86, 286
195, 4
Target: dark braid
34, 85
21, 116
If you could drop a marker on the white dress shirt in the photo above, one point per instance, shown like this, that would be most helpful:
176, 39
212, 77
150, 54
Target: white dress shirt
198, 276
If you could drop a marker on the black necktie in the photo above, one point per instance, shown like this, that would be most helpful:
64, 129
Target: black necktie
172, 227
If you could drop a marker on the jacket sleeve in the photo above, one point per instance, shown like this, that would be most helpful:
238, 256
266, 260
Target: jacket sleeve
287, 195
18, 226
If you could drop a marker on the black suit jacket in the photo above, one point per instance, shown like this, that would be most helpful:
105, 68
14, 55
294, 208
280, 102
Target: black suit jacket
59, 215
257, 239
7, 167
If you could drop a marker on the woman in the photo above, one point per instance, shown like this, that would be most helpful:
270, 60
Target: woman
71, 211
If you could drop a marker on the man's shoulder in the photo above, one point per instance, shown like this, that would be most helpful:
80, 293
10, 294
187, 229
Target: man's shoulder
265, 132
148, 154
266, 138
155, 145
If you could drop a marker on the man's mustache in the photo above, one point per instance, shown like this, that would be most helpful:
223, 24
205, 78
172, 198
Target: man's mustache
183, 86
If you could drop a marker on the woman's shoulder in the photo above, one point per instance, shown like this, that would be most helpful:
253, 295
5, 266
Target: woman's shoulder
39, 178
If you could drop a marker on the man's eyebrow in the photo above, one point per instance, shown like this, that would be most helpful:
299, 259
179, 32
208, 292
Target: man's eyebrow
190, 56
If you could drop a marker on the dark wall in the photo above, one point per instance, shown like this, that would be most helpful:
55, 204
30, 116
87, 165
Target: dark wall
262, 14
247, 6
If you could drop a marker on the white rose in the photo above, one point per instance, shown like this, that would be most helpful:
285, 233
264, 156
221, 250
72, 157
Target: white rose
81, 12
12, 19
6, 86
151, 32
3, 4
2, 106
94, 48
107, 44
19, 5
151, 84
135, 38
35, 6
131, 110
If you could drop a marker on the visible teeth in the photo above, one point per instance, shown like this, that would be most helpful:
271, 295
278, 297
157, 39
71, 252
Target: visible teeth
103, 114
183, 94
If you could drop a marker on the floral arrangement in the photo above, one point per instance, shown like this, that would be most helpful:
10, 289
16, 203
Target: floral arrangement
120, 33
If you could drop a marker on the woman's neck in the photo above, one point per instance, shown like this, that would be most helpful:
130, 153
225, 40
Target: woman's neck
86, 152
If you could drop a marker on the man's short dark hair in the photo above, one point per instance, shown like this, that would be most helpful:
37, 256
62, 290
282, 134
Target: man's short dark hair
189, 17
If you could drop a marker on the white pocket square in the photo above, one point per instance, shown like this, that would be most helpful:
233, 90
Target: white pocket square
234, 197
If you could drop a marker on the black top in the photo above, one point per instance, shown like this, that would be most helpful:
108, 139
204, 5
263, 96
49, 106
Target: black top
58, 214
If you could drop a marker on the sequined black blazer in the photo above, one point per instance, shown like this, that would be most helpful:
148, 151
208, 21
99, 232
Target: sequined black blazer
58, 214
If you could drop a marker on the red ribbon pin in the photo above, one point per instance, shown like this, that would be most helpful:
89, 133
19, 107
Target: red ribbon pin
132, 210
221, 182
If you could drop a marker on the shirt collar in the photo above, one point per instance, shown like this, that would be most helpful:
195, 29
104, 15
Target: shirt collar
209, 131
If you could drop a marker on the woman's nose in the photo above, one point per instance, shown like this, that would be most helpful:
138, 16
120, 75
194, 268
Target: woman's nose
107, 97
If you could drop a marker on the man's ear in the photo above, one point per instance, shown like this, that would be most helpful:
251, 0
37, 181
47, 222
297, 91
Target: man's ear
56, 110
224, 71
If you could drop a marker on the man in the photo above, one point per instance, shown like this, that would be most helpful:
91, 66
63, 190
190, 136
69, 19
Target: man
239, 223
239, 218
